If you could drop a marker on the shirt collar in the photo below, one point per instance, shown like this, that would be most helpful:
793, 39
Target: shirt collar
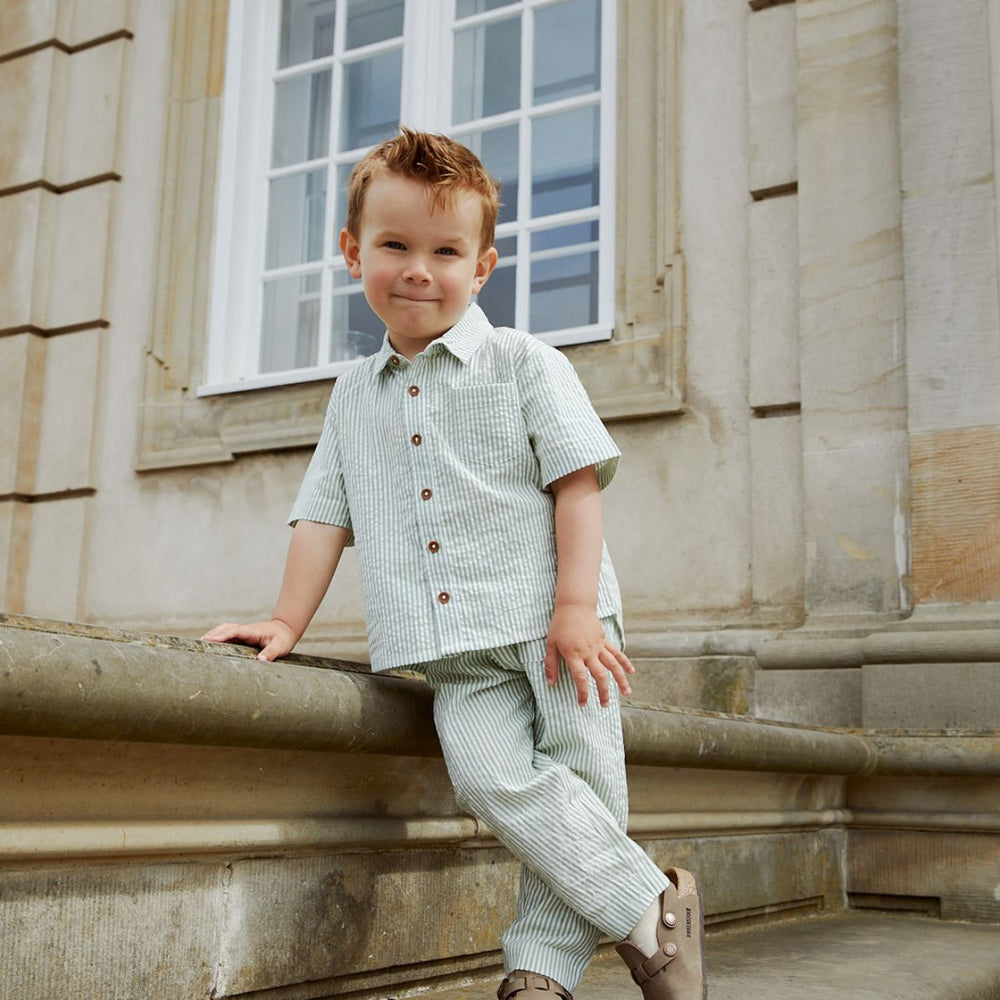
462, 340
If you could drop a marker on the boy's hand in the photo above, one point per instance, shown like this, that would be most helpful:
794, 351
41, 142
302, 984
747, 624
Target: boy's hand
576, 636
274, 638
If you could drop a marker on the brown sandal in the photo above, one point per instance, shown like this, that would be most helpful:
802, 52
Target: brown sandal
529, 986
676, 971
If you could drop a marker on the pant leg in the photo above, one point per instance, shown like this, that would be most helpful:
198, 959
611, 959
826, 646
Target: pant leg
528, 774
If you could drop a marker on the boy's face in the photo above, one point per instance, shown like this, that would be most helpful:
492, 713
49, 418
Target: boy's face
420, 262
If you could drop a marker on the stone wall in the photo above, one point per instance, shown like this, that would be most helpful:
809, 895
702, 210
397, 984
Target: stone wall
804, 379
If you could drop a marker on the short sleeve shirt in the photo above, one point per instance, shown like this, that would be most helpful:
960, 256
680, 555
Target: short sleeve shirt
440, 467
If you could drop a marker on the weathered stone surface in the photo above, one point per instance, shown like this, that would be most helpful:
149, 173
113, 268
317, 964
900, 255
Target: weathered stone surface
777, 515
955, 520
855, 526
64, 450
18, 370
56, 537
19, 220
814, 697
958, 870
117, 932
931, 696
774, 302
852, 308
26, 84
23, 25
714, 683
771, 83
295, 920
52, 283
87, 144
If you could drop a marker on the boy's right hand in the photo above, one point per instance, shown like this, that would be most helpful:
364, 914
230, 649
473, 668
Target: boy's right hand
275, 638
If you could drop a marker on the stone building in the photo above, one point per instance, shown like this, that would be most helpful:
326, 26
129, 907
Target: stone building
794, 336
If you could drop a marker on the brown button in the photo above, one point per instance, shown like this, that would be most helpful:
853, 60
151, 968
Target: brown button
444, 597
394, 360
416, 439
434, 546
414, 390
425, 494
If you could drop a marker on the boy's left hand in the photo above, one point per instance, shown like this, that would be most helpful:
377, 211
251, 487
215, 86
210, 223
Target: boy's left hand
576, 637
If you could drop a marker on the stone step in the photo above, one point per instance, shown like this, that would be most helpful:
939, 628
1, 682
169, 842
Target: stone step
856, 956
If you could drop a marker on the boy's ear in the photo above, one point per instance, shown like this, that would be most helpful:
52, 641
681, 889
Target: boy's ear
484, 268
351, 250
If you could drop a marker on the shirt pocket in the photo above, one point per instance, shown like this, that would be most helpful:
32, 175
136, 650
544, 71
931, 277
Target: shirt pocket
482, 425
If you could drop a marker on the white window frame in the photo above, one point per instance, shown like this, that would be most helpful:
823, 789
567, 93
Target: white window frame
238, 264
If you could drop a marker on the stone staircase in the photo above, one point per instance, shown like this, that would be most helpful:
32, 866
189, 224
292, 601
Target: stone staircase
181, 822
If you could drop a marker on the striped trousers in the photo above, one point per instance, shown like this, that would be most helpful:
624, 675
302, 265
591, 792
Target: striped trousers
547, 776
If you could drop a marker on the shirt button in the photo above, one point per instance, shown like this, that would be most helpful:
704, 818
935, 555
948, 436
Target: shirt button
444, 597
394, 360
433, 547
426, 494
416, 439
414, 390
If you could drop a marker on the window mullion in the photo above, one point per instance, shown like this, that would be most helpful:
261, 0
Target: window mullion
267, 55
420, 28
330, 242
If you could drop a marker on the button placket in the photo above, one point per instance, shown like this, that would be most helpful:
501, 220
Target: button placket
421, 459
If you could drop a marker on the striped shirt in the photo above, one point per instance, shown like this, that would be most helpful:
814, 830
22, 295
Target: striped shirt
439, 468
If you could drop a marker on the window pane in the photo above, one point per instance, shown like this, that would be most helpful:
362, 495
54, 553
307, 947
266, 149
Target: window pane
506, 247
564, 236
370, 21
563, 286
466, 8
497, 149
340, 207
567, 56
565, 162
289, 332
369, 111
496, 297
295, 209
306, 31
301, 119
356, 331
487, 71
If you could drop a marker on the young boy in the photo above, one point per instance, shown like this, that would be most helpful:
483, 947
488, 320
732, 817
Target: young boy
467, 463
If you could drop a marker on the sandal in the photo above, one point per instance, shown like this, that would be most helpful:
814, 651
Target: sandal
676, 970
529, 986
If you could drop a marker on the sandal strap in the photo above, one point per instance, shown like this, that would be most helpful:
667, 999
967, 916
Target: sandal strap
521, 981
653, 966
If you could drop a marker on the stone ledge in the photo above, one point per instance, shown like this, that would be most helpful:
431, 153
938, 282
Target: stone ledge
72, 681
944, 645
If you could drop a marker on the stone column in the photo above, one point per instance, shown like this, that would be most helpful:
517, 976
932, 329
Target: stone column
853, 378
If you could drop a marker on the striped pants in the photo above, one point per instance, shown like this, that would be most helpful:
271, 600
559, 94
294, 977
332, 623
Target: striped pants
548, 778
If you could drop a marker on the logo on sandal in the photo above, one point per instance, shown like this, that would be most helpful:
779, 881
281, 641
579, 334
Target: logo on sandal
687, 921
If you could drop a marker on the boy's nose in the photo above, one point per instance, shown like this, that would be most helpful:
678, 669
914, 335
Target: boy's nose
416, 271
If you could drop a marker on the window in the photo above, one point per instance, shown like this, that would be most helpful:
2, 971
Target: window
311, 85
638, 373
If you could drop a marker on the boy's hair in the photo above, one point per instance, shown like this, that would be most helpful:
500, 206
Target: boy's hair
435, 160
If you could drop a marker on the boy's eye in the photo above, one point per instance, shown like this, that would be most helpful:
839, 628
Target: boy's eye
449, 251
394, 245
